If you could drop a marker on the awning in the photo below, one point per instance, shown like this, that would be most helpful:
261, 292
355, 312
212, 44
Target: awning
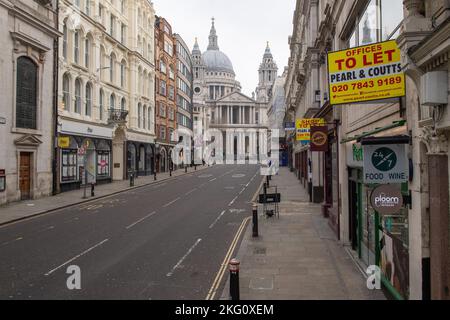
394, 124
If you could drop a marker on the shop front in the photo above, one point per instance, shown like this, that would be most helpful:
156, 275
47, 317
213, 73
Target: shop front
377, 239
140, 159
84, 154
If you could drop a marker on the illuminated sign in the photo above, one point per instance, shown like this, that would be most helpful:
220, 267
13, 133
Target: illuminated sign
372, 72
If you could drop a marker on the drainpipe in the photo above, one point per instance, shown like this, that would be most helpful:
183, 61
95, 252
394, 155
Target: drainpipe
55, 163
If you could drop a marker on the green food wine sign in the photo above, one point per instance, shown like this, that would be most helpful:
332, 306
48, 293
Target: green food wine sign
385, 164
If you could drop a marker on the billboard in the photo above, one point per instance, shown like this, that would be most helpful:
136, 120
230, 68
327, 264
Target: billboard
367, 73
303, 127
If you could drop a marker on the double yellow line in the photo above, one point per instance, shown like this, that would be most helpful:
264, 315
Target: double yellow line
215, 286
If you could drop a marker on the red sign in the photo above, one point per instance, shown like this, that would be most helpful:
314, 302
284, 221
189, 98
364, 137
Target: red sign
103, 163
319, 139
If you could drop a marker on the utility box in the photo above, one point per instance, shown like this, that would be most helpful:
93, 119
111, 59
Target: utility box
434, 88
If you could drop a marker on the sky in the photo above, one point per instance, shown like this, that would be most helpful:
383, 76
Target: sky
243, 28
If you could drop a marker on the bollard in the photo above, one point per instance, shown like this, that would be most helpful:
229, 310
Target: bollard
185, 169
92, 190
234, 279
255, 221
267, 181
170, 172
131, 179
154, 175
195, 166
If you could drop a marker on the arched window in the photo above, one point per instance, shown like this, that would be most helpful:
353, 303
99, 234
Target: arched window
144, 117
112, 62
112, 102
101, 102
26, 93
87, 49
66, 92
88, 109
87, 9
149, 119
123, 104
122, 73
65, 34
139, 115
77, 96
76, 47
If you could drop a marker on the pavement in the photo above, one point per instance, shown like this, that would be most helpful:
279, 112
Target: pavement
297, 256
25, 209
164, 240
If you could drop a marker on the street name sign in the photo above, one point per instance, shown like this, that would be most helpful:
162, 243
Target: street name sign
366, 73
385, 164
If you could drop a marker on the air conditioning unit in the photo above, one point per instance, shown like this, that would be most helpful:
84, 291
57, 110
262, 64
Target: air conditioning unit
434, 88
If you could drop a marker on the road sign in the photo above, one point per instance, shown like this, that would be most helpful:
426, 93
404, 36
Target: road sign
385, 164
367, 73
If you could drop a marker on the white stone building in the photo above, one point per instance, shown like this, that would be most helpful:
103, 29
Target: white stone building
219, 104
28, 31
106, 96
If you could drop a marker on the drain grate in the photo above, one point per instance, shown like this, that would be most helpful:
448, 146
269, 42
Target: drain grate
260, 250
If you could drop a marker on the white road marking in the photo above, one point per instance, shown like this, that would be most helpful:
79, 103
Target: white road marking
15, 240
189, 192
183, 258
171, 202
242, 191
140, 220
232, 201
76, 257
212, 180
217, 220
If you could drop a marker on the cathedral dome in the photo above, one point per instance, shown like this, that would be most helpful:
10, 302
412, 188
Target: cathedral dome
216, 60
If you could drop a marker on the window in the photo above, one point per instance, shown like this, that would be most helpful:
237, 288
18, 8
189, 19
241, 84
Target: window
368, 25
168, 47
26, 93
65, 40
162, 132
171, 93
87, 48
103, 163
123, 104
111, 68
391, 18
122, 34
162, 110
122, 74
112, 26
76, 47
144, 117
162, 87
139, 115
162, 67
112, 102
122, 6
171, 114
69, 165
150, 116
66, 92
171, 73
88, 110
87, 7
77, 96
101, 102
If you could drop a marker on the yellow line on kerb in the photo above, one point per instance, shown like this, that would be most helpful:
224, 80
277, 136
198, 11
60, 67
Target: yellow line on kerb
212, 292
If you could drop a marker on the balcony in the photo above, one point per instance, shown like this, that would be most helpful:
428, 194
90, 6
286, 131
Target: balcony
117, 116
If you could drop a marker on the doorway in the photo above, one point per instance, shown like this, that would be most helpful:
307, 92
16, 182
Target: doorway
25, 176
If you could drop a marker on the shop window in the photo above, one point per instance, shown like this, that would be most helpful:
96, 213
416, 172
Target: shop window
69, 162
103, 157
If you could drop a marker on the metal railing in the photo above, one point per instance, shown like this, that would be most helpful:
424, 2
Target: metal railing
118, 115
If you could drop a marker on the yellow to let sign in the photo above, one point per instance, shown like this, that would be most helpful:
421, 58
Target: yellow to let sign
372, 72
303, 127
64, 142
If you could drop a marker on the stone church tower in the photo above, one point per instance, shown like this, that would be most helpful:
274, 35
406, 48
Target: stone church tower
268, 72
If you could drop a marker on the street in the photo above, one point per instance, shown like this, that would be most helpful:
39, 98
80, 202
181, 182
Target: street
163, 241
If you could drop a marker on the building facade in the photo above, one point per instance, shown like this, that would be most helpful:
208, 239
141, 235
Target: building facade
184, 91
106, 123
29, 34
220, 106
412, 246
166, 93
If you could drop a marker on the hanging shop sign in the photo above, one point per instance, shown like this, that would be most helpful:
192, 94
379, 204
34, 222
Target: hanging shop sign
319, 139
303, 127
387, 199
385, 164
63, 142
367, 73
289, 126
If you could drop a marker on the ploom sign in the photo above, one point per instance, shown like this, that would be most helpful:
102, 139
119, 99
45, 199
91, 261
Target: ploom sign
372, 72
387, 199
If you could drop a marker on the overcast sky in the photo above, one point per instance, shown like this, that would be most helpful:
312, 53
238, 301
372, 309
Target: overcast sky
243, 28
